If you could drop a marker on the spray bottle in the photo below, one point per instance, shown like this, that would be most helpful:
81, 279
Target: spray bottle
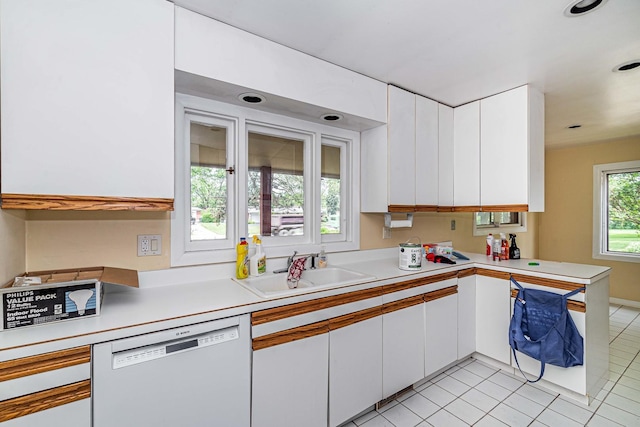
514, 251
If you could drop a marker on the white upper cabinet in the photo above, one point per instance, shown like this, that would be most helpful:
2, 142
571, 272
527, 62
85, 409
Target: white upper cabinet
512, 153
445, 156
427, 151
466, 155
402, 151
87, 98
401, 167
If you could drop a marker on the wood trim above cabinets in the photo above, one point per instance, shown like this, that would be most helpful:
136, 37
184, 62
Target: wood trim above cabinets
351, 318
84, 203
390, 307
43, 400
435, 208
289, 335
440, 293
493, 273
401, 286
571, 304
551, 283
31, 365
466, 272
277, 313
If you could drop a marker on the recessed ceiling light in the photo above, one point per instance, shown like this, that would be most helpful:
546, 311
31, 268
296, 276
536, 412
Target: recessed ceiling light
252, 98
574, 126
629, 65
332, 117
580, 7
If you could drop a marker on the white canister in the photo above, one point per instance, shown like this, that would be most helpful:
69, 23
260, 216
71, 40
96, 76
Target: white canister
410, 256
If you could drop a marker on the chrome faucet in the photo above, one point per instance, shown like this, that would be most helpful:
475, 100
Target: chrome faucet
289, 262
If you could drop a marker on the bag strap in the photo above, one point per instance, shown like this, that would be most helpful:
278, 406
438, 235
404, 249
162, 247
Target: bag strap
542, 364
515, 282
574, 292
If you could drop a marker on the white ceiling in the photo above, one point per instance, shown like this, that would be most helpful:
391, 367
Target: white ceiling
457, 51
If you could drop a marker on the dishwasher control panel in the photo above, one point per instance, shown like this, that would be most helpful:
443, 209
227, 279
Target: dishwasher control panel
156, 351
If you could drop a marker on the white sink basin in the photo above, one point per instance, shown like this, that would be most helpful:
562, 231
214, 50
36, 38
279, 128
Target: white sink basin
334, 276
271, 285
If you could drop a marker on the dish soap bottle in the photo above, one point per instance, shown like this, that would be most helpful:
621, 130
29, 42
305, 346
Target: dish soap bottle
242, 259
258, 262
322, 258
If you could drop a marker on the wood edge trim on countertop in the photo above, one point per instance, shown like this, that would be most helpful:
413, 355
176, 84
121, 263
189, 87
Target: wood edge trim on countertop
504, 208
493, 273
408, 284
31, 365
440, 293
390, 307
467, 272
551, 283
40, 401
446, 208
290, 335
355, 317
84, 203
571, 304
295, 309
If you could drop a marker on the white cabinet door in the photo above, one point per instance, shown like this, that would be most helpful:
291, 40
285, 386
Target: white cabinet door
75, 414
445, 156
355, 370
512, 135
87, 98
441, 332
493, 298
290, 384
402, 159
403, 346
427, 169
466, 316
466, 155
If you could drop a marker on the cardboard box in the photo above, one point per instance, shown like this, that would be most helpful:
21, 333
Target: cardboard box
62, 295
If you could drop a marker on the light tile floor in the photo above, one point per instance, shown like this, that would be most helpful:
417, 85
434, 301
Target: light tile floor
474, 394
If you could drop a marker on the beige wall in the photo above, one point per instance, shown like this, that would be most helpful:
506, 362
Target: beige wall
436, 227
12, 244
57, 240
566, 226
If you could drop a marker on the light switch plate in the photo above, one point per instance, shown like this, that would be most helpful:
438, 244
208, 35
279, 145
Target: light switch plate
149, 244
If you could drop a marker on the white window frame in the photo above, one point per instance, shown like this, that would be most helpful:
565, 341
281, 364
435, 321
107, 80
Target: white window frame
502, 228
183, 254
600, 205
346, 192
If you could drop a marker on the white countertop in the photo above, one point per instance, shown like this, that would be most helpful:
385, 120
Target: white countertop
131, 311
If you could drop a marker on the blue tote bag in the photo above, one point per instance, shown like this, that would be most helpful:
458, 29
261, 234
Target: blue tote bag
542, 328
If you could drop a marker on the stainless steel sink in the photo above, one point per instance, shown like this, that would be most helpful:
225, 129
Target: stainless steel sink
272, 285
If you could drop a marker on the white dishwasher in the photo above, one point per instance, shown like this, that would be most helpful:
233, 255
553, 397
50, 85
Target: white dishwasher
197, 375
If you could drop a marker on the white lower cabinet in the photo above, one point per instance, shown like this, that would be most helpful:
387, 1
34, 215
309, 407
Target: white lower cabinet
441, 332
355, 369
290, 384
466, 314
403, 347
493, 299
